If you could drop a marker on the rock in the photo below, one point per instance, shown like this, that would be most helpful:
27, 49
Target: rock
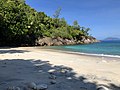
17, 88
83, 88
26, 88
70, 42
5, 63
31, 85
52, 77
42, 87
55, 40
58, 43
51, 71
63, 71
13, 88
102, 88
87, 40
53, 82
69, 78
59, 39
68, 74
47, 41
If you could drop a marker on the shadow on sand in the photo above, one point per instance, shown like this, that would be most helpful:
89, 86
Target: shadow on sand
4, 51
18, 72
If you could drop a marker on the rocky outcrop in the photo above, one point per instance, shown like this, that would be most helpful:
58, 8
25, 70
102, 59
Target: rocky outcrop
47, 41
87, 40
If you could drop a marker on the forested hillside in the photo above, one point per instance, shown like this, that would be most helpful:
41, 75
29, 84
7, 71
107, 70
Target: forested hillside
22, 25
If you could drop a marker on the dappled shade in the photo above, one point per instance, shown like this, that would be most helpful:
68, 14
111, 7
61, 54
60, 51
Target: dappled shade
12, 51
18, 72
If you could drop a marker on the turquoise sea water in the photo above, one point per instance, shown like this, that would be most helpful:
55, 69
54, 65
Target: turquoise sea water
110, 48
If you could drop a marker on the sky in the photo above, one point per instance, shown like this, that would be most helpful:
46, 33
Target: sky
101, 16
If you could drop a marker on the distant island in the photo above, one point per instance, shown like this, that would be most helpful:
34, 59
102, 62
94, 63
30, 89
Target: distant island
111, 39
21, 25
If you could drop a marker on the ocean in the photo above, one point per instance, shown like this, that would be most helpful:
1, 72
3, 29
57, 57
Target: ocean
103, 48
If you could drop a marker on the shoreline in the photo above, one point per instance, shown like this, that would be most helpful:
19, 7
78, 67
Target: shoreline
79, 53
33, 64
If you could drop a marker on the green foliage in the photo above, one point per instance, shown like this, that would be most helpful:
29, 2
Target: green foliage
57, 13
61, 32
76, 25
85, 31
21, 24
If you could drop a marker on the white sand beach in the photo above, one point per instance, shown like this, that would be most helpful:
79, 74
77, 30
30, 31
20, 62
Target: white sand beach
21, 65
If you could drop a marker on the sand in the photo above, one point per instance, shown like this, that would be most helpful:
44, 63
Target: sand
21, 65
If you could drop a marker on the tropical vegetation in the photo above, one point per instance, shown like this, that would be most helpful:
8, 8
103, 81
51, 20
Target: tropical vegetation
21, 24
